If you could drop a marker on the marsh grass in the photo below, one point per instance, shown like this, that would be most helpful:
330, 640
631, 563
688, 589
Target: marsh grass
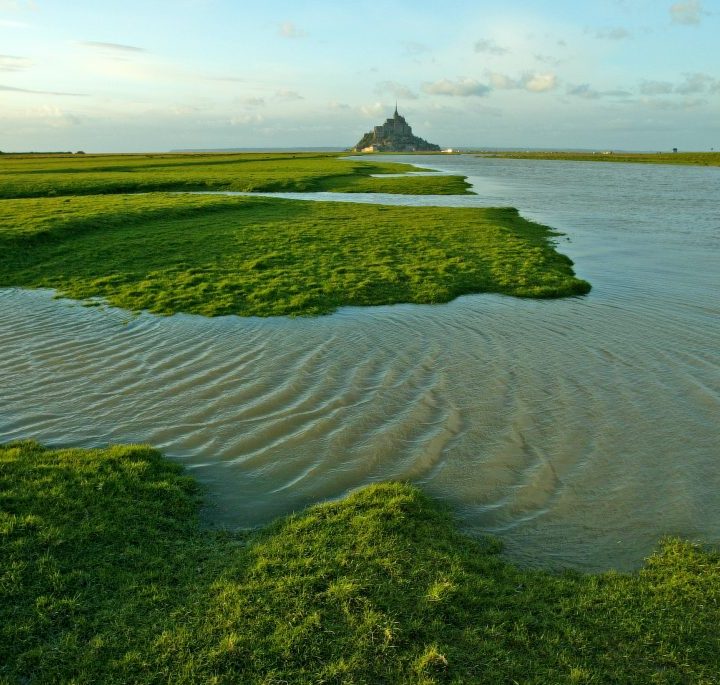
679, 158
43, 176
105, 577
217, 255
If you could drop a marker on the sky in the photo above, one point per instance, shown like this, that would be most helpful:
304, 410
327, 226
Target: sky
173, 74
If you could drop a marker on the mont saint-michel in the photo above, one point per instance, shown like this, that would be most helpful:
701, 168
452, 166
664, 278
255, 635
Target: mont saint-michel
395, 135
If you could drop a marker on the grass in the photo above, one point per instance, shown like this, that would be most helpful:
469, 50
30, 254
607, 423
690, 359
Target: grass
682, 158
105, 577
43, 176
216, 255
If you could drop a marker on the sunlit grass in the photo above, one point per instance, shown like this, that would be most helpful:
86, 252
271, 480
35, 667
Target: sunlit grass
216, 255
105, 577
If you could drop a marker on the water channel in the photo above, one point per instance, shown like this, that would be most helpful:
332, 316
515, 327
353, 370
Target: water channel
578, 430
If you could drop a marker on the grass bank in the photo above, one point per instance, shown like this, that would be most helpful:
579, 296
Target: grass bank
681, 158
42, 176
105, 577
216, 255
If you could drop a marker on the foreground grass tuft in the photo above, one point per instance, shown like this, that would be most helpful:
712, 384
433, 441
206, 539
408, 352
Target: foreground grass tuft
106, 577
216, 255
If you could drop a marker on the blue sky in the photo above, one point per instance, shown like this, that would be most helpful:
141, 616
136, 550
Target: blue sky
124, 76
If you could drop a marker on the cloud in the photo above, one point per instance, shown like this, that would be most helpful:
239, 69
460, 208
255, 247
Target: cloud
288, 95
397, 89
490, 47
11, 89
696, 83
617, 33
683, 104
414, 49
10, 24
656, 87
113, 47
252, 102
288, 29
245, 119
539, 83
692, 85
687, 12
460, 88
374, 110
533, 82
585, 91
13, 63
16, 5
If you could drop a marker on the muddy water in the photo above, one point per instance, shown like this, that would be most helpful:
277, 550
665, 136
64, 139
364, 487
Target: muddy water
578, 430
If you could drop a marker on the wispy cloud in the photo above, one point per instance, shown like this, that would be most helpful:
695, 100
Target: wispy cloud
688, 12
585, 91
693, 84
460, 88
490, 47
252, 102
289, 29
611, 33
12, 24
412, 48
12, 89
13, 63
396, 89
288, 95
113, 47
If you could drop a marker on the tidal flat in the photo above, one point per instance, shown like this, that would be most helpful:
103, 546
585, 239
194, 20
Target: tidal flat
252, 256
106, 577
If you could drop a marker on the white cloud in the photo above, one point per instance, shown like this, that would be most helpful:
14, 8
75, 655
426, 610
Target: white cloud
533, 82
490, 47
539, 83
460, 88
288, 29
687, 12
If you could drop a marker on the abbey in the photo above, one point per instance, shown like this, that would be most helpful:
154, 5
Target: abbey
395, 135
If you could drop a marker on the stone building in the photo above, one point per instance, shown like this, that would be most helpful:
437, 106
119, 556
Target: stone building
395, 135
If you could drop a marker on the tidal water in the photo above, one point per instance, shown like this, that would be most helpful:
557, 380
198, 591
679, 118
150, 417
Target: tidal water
579, 430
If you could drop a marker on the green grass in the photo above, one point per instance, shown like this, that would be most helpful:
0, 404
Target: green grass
105, 577
682, 158
42, 176
216, 255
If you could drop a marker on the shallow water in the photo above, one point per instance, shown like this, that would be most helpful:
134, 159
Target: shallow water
578, 430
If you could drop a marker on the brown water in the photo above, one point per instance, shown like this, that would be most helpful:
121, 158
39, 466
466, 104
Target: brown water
578, 430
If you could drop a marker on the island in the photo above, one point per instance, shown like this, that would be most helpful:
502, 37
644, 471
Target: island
395, 135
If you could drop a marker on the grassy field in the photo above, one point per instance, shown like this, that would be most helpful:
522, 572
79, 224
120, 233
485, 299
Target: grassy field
43, 176
105, 577
216, 255
683, 158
